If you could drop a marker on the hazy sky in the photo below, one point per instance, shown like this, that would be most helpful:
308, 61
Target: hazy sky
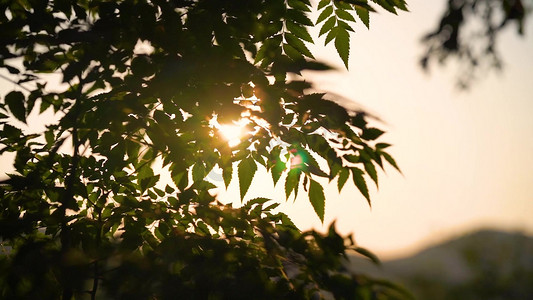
467, 157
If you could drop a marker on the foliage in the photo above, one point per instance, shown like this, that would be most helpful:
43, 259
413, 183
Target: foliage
474, 49
87, 213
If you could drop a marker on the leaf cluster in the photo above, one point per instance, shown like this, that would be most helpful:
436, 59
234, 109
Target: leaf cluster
474, 49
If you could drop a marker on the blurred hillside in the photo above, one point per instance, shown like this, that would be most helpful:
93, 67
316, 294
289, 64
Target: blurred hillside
485, 264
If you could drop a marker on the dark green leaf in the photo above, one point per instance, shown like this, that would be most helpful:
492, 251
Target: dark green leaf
360, 183
371, 134
297, 44
15, 100
317, 198
246, 171
371, 171
298, 17
292, 182
390, 160
342, 44
299, 31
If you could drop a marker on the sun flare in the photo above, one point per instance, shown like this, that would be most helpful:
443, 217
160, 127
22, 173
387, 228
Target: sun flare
232, 132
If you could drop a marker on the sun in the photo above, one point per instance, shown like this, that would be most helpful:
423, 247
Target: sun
232, 132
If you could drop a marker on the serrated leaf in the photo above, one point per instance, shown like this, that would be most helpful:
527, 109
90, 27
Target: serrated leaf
227, 174
246, 171
299, 31
386, 5
327, 26
323, 3
390, 160
198, 172
297, 44
317, 198
364, 15
298, 4
324, 14
15, 101
291, 182
342, 44
331, 35
292, 53
360, 183
344, 173
276, 170
371, 171
298, 17
345, 25
341, 13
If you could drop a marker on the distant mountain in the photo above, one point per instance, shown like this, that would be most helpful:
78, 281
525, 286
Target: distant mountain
482, 265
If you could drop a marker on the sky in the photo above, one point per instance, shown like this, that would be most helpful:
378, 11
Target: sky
466, 156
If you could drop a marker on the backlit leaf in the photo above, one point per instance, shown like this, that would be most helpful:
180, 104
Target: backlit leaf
317, 198
246, 169
360, 183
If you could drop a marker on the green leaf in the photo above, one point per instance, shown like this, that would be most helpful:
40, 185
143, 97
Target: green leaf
298, 4
198, 172
297, 44
371, 171
15, 101
323, 3
227, 174
368, 254
324, 14
364, 15
331, 35
292, 182
390, 160
246, 171
344, 173
298, 17
292, 53
342, 44
277, 169
344, 15
360, 183
371, 134
299, 31
317, 198
327, 26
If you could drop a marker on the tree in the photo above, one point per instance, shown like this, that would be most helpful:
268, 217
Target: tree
473, 48
86, 212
